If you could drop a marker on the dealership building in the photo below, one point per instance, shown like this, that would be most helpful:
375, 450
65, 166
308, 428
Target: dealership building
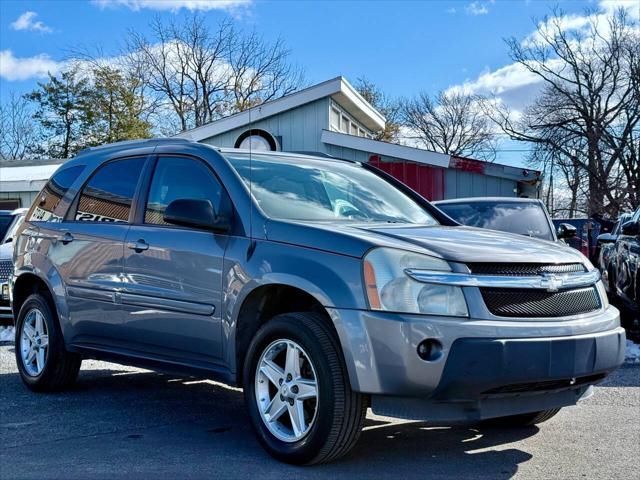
329, 118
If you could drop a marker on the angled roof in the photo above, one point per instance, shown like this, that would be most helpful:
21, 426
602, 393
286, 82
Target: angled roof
337, 88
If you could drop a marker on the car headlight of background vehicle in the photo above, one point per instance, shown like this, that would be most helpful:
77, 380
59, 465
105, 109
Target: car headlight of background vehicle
389, 288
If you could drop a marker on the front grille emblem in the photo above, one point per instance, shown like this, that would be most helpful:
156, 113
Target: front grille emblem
551, 282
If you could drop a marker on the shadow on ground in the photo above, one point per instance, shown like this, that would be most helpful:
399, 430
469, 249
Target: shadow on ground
117, 422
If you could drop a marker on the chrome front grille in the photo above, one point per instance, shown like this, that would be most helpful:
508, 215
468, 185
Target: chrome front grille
508, 302
524, 269
6, 269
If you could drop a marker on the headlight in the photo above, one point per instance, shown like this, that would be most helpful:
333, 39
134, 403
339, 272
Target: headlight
389, 288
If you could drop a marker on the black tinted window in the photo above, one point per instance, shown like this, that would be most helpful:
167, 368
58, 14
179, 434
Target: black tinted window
180, 178
52, 193
5, 221
515, 217
108, 195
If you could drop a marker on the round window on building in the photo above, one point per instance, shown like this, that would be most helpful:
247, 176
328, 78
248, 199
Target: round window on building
258, 140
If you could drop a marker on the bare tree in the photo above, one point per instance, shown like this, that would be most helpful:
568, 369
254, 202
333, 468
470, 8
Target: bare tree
261, 72
590, 98
19, 133
203, 73
387, 106
452, 123
186, 65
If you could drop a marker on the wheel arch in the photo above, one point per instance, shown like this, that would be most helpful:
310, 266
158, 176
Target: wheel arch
260, 305
28, 282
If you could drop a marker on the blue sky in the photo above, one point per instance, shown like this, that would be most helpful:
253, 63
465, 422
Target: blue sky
405, 47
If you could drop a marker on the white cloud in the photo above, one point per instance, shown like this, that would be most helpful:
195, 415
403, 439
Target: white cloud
476, 8
631, 6
15, 68
174, 5
26, 22
517, 87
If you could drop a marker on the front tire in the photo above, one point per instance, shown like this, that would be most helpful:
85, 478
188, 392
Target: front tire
43, 362
297, 391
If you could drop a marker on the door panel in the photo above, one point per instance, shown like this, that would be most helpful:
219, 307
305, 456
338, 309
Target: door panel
89, 249
172, 294
172, 291
91, 266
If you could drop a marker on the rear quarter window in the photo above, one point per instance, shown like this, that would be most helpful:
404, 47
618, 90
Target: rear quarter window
45, 204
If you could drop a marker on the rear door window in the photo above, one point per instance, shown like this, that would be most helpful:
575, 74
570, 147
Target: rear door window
52, 193
108, 195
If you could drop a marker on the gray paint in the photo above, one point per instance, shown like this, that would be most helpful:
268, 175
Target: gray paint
104, 307
299, 129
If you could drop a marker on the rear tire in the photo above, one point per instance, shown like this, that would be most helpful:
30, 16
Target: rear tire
522, 420
338, 412
43, 362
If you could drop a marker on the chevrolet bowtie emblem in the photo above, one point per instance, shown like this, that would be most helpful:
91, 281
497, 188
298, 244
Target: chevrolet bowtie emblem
551, 282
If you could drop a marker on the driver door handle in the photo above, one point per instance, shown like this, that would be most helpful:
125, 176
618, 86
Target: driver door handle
138, 246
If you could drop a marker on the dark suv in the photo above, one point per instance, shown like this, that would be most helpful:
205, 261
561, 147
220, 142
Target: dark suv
627, 259
323, 287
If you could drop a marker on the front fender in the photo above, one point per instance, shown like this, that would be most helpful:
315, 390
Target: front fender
335, 281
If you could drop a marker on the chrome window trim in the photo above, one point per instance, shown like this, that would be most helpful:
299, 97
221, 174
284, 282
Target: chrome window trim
549, 282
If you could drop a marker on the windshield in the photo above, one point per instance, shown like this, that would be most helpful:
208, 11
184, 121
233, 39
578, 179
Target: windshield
317, 190
515, 217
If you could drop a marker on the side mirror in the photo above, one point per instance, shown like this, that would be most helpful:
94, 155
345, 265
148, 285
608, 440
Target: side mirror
566, 230
631, 228
190, 212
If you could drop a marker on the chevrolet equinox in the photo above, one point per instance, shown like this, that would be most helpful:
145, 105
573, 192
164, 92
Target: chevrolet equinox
323, 287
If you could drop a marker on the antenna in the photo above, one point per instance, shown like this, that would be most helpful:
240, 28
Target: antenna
250, 182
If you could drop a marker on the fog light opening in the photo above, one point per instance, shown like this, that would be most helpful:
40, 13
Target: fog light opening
429, 350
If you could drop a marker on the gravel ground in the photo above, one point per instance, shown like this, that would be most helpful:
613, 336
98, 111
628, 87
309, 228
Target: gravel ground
121, 422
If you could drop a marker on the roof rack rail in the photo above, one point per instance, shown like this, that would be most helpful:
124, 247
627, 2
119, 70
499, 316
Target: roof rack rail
124, 143
314, 154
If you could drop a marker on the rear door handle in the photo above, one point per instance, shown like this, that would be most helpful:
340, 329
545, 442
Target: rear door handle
138, 246
65, 238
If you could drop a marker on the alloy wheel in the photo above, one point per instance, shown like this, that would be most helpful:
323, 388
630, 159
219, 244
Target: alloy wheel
286, 390
34, 342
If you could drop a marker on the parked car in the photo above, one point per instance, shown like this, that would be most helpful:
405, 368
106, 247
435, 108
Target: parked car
587, 231
627, 258
606, 249
6, 264
525, 216
321, 286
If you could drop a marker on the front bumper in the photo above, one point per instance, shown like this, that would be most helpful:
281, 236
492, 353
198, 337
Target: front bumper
484, 364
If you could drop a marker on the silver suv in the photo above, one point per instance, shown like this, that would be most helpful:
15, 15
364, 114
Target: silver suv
323, 287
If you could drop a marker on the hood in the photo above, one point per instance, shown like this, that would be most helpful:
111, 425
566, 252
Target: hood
6, 251
457, 244
470, 244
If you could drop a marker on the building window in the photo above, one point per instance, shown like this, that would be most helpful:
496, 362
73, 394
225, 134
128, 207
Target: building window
362, 133
334, 119
257, 140
354, 129
344, 124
